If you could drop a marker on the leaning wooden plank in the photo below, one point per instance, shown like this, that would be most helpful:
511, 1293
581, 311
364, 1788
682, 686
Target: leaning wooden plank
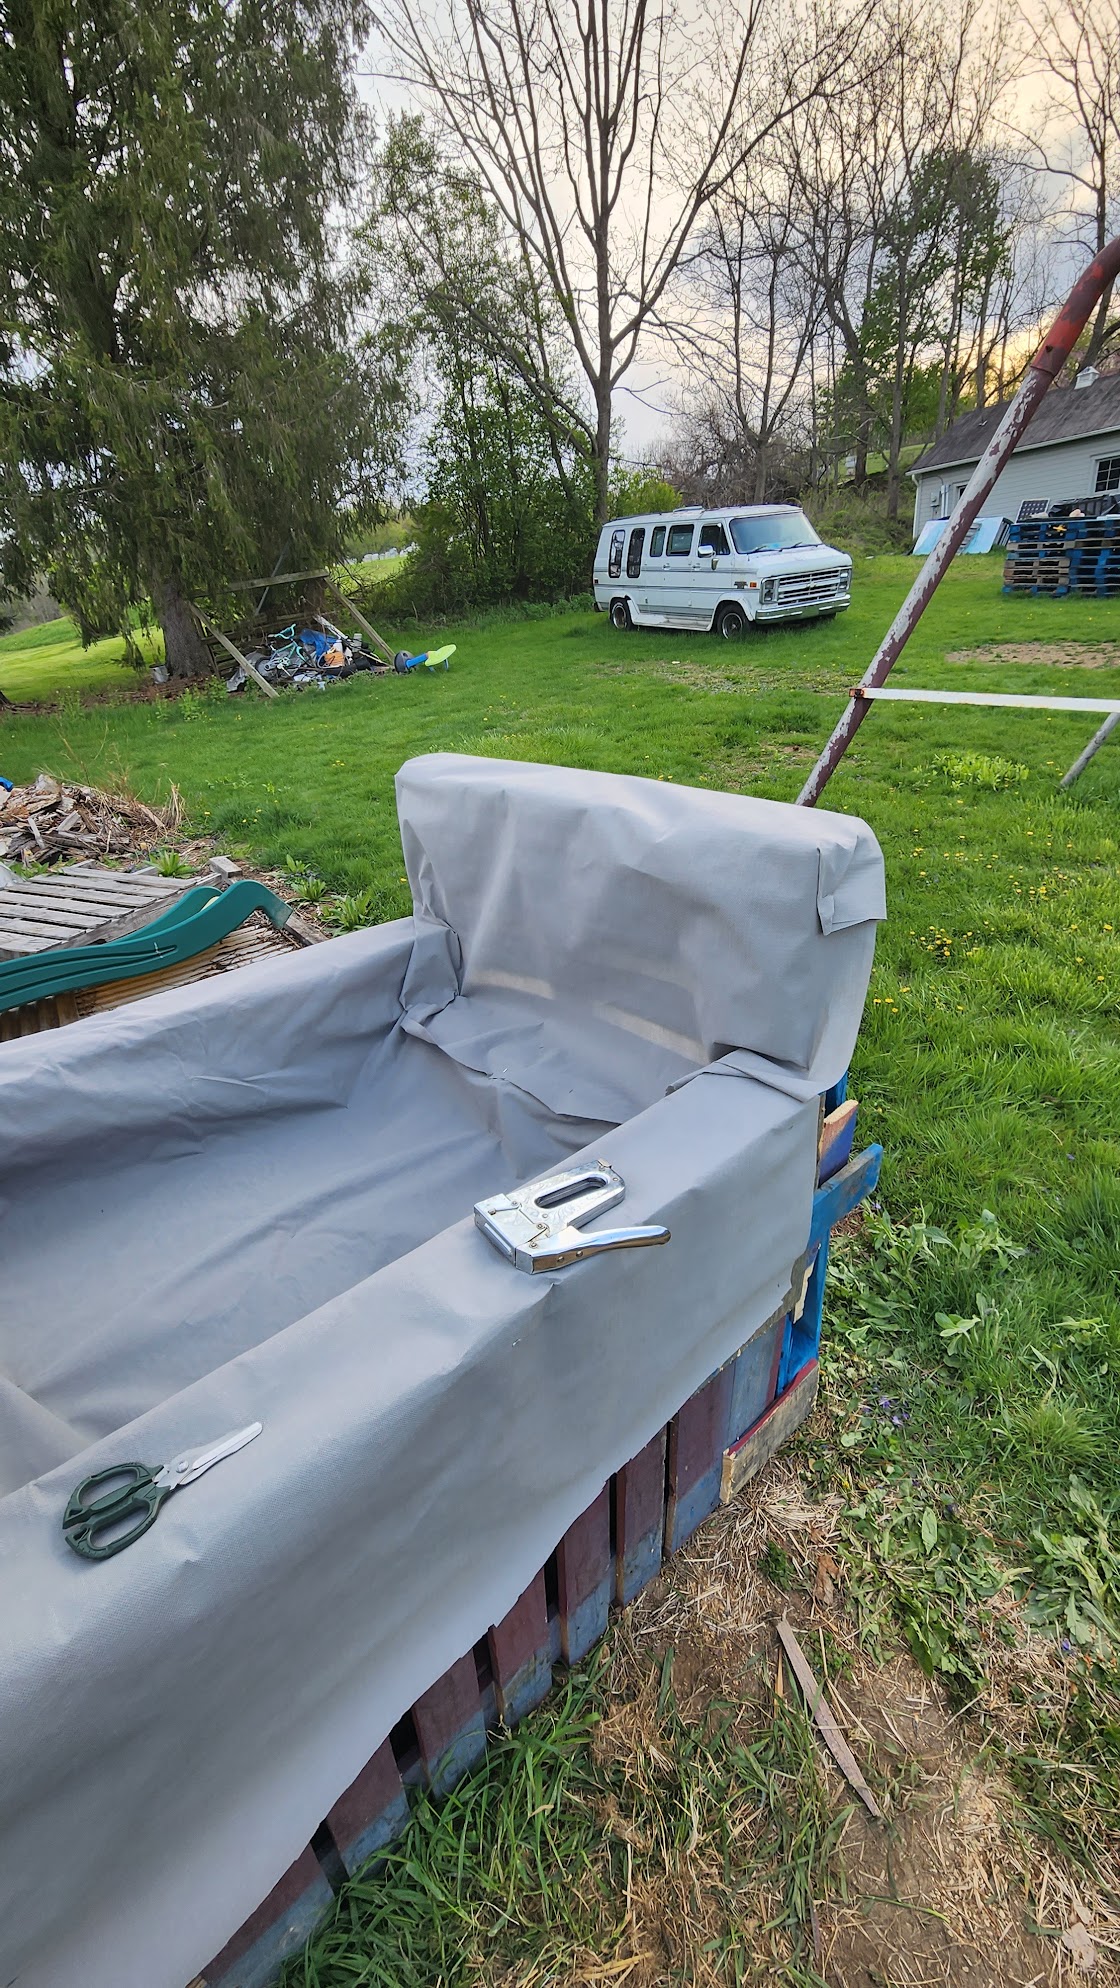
277, 580
242, 662
826, 1724
359, 617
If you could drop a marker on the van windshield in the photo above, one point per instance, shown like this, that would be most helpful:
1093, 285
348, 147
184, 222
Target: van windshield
780, 532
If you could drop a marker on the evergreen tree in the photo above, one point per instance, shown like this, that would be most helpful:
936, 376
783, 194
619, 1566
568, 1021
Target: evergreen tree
181, 399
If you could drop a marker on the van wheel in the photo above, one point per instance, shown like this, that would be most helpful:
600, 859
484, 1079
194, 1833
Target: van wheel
732, 621
620, 614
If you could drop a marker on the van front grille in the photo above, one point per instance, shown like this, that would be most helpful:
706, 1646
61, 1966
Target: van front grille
808, 589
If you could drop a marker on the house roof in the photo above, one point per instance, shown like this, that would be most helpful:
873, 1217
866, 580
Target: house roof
1066, 414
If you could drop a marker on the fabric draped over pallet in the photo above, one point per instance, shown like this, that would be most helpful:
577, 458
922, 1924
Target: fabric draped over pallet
252, 1200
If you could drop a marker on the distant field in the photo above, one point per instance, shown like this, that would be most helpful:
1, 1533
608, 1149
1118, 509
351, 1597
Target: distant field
43, 663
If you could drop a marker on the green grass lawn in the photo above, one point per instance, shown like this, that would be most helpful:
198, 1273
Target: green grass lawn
988, 1064
41, 664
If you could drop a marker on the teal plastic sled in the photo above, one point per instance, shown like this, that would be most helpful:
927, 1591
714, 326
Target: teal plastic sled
195, 921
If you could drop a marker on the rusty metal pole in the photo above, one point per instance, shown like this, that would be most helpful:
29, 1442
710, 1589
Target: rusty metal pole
1041, 373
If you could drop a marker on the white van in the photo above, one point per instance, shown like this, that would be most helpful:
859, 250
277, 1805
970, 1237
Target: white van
720, 569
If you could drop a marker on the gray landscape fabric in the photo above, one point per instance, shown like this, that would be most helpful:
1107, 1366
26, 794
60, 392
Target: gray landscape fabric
251, 1199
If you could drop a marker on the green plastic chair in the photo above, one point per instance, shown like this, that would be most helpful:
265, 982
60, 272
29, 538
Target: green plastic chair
198, 919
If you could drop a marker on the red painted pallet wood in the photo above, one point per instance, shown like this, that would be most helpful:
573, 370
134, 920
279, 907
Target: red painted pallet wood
520, 1656
585, 1579
450, 1728
697, 1439
371, 1812
639, 1520
275, 1931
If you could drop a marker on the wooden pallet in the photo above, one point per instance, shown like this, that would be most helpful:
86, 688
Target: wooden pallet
721, 1438
257, 939
80, 906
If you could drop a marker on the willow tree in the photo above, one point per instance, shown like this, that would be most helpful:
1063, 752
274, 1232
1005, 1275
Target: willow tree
180, 397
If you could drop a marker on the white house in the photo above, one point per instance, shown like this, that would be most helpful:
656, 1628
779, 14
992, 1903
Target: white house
1071, 449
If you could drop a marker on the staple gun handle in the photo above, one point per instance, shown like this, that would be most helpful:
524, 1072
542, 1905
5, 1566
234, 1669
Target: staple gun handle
596, 1243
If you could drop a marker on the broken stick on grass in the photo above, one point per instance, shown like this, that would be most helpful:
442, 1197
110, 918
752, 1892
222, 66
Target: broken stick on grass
826, 1724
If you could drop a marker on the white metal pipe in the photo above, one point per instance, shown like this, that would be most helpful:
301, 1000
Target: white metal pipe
1008, 702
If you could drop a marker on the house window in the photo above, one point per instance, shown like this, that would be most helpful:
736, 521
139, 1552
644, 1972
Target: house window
713, 539
680, 541
1108, 473
614, 563
634, 553
657, 542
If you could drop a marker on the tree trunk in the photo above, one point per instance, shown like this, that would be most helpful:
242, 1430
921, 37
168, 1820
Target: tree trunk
185, 652
602, 453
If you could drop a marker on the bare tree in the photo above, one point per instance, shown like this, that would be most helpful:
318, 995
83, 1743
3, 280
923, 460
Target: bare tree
745, 413
892, 182
1075, 46
602, 129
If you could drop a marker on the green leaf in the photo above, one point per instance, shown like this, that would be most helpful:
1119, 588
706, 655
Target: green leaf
929, 1529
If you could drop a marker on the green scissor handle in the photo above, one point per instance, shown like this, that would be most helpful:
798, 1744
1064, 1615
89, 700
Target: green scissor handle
88, 1519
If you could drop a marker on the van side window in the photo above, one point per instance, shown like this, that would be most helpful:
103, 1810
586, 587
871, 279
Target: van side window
634, 553
657, 542
680, 541
713, 539
614, 563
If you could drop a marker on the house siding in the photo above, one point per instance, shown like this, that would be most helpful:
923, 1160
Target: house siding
1059, 472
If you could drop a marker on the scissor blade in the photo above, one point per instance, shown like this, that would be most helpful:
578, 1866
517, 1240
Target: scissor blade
191, 1463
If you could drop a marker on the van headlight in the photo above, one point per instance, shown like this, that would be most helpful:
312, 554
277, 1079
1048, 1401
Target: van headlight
767, 593
844, 583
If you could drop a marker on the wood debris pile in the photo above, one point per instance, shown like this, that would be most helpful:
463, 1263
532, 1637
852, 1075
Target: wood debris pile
52, 821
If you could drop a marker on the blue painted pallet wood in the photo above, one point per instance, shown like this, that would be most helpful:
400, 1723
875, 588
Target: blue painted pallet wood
841, 1195
698, 1436
373, 1810
639, 1520
755, 1377
585, 1579
520, 1654
275, 1931
450, 1727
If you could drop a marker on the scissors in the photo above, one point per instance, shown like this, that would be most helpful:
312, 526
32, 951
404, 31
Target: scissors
92, 1524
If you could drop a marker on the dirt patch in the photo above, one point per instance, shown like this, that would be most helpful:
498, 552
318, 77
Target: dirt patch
944, 1893
1051, 655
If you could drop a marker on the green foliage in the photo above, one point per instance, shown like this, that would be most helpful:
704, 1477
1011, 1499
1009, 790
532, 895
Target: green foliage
169, 863
636, 490
857, 523
979, 769
509, 505
178, 400
939, 258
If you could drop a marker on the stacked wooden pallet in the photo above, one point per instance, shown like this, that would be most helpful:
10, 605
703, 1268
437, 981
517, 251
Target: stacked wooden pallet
79, 906
1064, 555
257, 939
